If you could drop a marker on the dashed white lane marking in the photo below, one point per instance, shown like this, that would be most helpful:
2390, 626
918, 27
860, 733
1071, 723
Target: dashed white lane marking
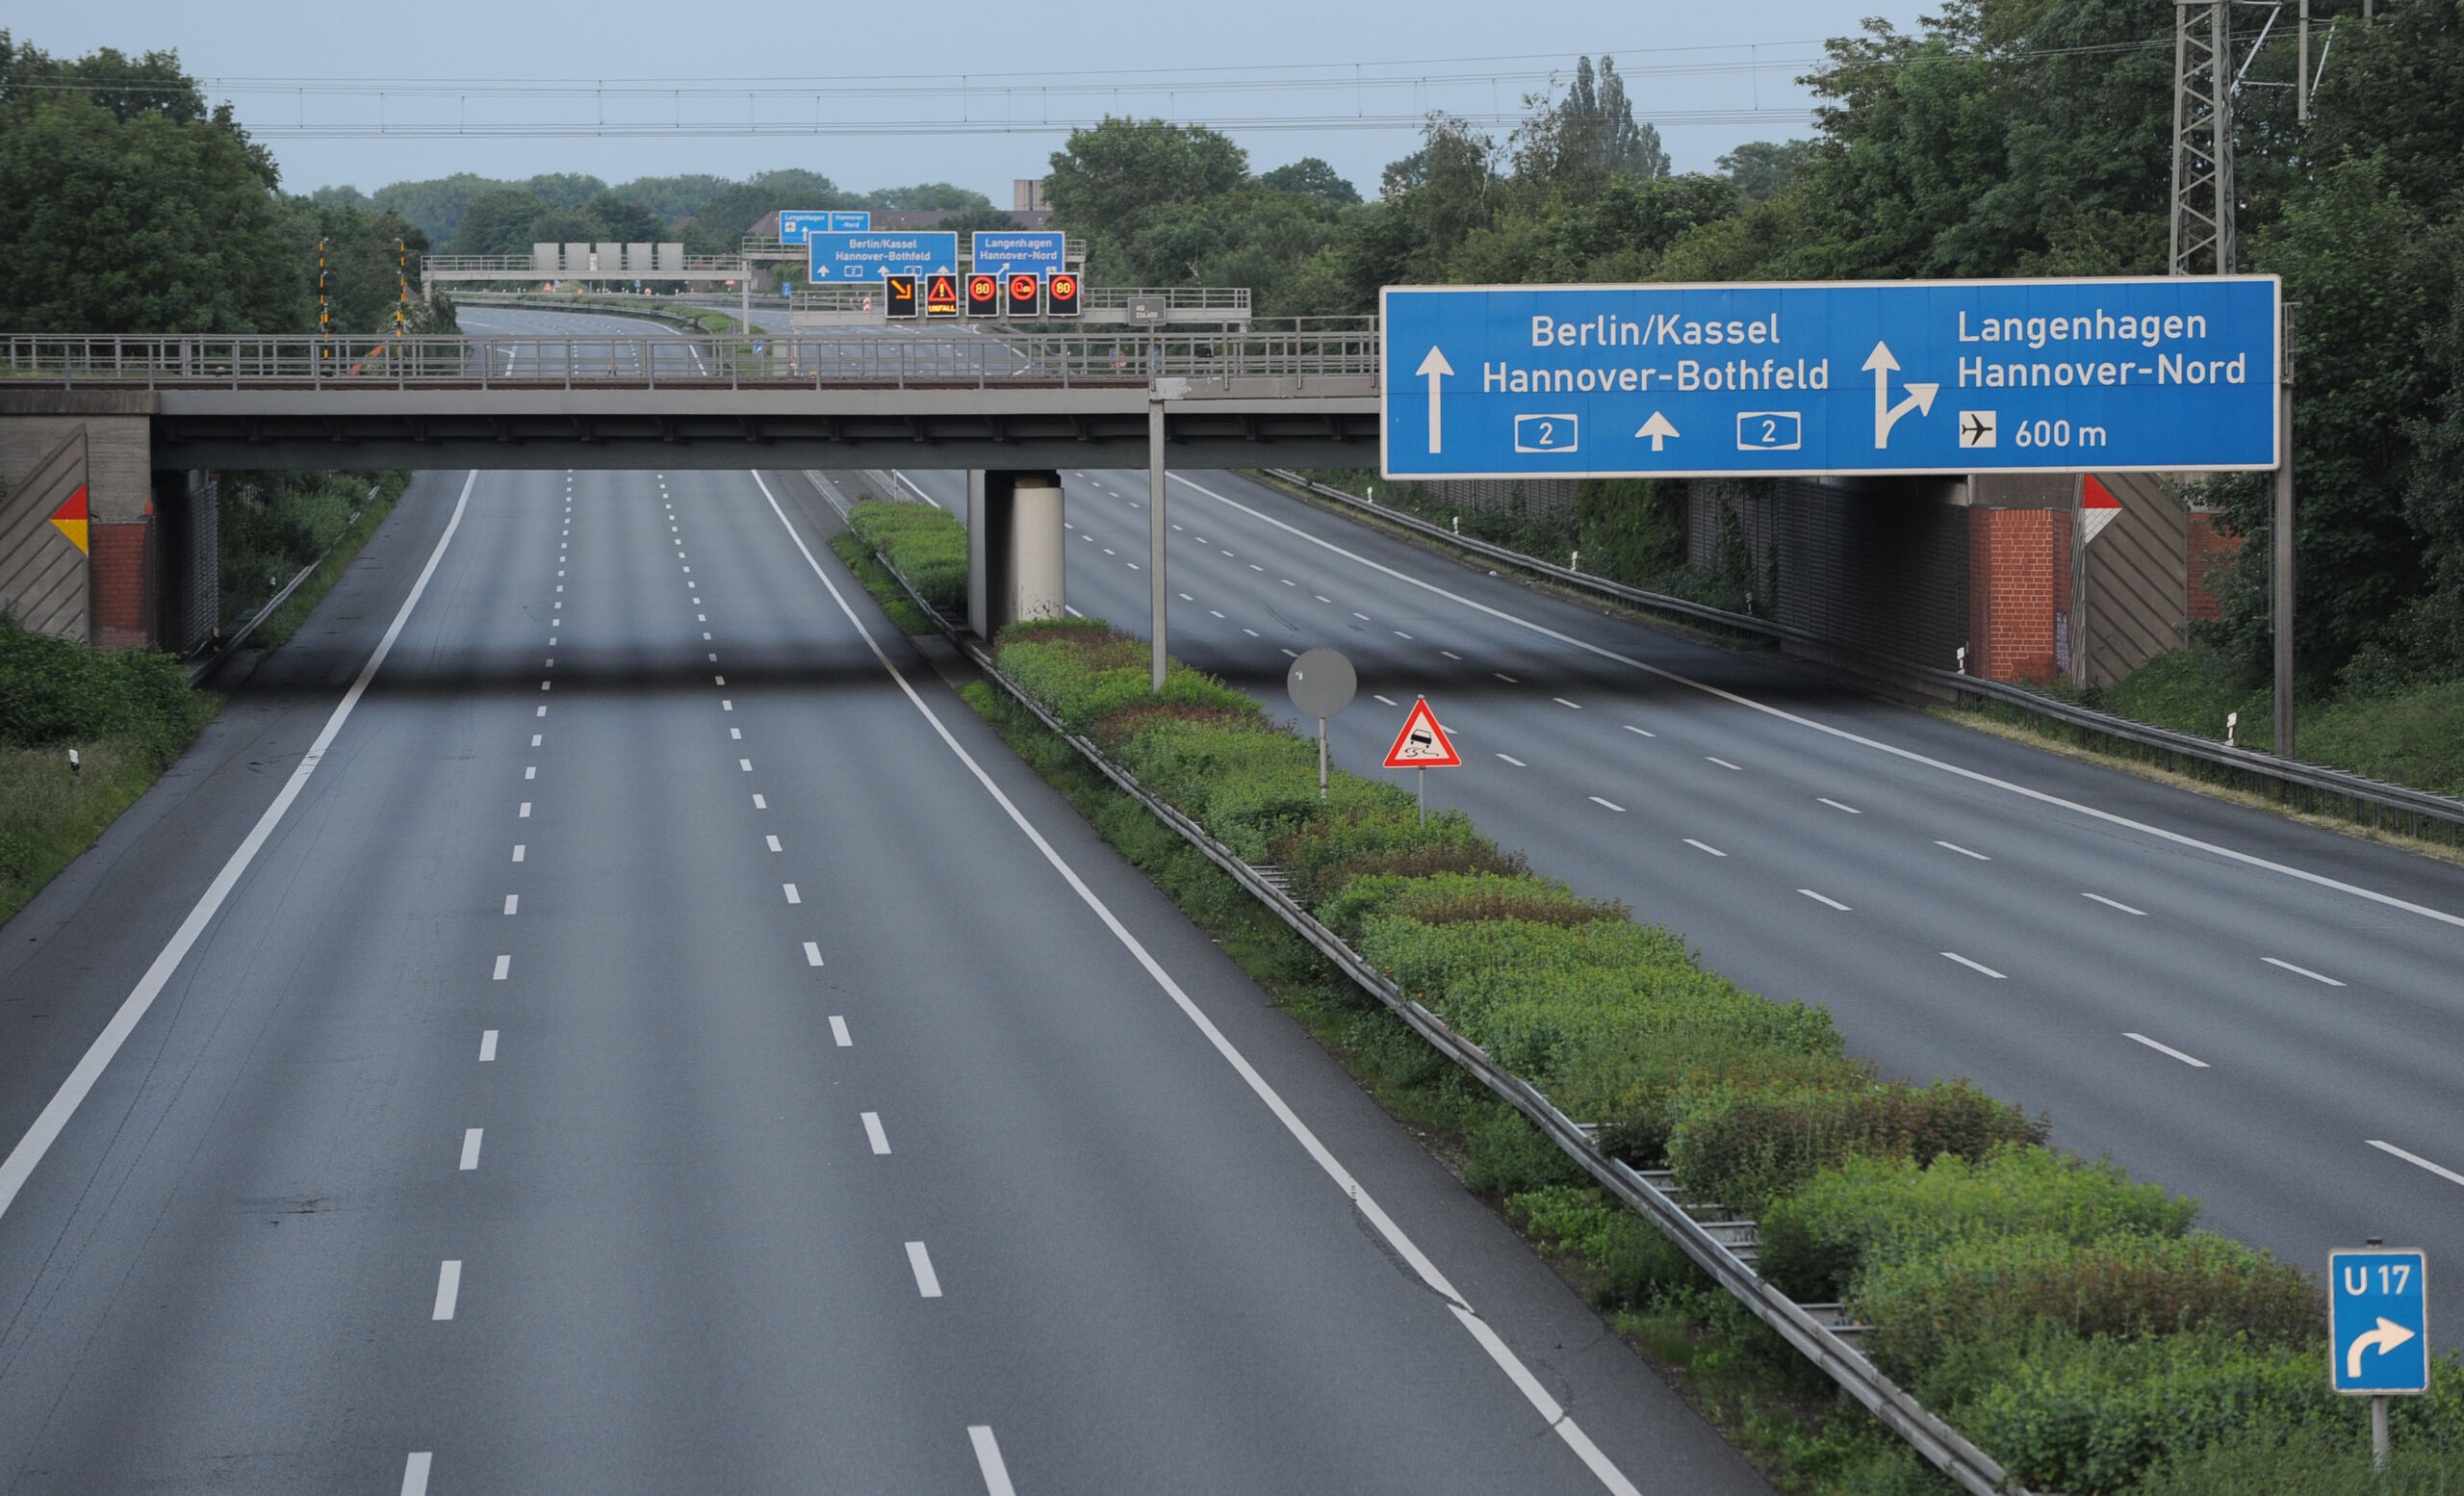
726, 705
504, 967
718, 680
1288, 581
2301, 971
544, 684
761, 803
1508, 679
2113, 903
1254, 634
793, 897
448, 1288
838, 1032
2417, 1161
2191, 1061
537, 739
1963, 851
746, 764
524, 813
774, 843
1400, 635
1837, 806
518, 849
487, 1044
415, 1472
812, 953
1724, 763
1388, 700
928, 1283
530, 771
1321, 597
543, 711
471, 1147
736, 734
1974, 965
1294, 654
1186, 598
1612, 804
996, 1479
1820, 899
1211, 611
873, 1133
1562, 702
988, 1459
1511, 759
512, 902
1638, 731
1704, 846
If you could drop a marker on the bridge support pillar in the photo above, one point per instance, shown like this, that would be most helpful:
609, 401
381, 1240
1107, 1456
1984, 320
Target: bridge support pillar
1018, 556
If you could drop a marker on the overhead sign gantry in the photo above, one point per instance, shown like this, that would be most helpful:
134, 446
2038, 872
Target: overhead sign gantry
2162, 375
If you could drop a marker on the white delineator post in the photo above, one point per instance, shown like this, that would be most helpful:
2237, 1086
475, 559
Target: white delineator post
1155, 528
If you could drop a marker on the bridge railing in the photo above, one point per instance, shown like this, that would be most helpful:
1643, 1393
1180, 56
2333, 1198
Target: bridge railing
1290, 353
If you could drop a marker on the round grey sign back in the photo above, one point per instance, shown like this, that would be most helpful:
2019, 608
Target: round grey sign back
1321, 682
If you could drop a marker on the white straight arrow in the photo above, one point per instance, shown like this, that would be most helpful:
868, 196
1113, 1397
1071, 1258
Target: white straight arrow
1920, 396
1433, 366
1658, 430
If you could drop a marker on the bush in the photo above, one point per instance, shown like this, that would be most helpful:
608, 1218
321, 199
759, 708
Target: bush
1081, 672
56, 692
1744, 1148
1988, 1288
1461, 898
2312, 1462
1815, 1241
928, 545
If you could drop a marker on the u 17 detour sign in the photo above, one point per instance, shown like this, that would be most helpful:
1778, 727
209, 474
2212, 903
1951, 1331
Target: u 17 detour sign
2163, 373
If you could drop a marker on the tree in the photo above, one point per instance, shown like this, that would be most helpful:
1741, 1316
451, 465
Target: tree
620, 221
925, 196
1762, 169
1311, 177
1589, 134
2395, 90
1106, 177
498, 221
437, 205
134, 207
565, 188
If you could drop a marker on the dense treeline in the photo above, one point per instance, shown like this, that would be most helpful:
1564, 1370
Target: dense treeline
136, 208
1999, 137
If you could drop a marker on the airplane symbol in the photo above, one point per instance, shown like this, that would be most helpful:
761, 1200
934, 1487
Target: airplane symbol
1976, 428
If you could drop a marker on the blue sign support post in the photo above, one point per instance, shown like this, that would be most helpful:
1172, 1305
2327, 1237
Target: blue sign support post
2378, 1329
2155, 375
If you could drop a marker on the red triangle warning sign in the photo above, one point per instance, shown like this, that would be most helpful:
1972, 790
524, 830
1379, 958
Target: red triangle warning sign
1422, 744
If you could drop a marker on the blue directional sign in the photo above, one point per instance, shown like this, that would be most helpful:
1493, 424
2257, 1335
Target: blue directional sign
1003, 250
797, 226
2162, 375
869, 256
2378, 1319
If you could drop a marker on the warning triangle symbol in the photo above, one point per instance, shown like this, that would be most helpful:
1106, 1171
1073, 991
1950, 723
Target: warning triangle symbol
1422, 744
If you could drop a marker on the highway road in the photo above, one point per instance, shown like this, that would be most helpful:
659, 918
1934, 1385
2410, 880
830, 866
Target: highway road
597, 1014
2262, 1013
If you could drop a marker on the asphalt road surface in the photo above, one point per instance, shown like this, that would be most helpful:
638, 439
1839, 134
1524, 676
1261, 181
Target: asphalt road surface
2261, 1014
597, 1014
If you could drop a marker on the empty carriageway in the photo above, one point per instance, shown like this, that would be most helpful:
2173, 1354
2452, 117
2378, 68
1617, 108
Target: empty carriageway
662, 1040
2255, 1011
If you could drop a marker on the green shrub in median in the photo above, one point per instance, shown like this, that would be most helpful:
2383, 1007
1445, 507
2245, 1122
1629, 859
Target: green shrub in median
928, 544
2062, 1316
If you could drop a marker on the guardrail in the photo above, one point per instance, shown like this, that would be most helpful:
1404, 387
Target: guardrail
2390, 807
1942, 1445
1290, 354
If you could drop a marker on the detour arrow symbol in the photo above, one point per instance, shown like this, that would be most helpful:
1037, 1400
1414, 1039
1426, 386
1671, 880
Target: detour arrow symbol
2385, 1338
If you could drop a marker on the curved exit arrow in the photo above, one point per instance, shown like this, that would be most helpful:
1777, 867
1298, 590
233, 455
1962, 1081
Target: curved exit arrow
2385, 1338
1920, 396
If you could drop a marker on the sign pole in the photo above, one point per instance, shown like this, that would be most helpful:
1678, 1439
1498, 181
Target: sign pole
1423, 797
2379, 1433
2280, 560
1155, 534
1322, 758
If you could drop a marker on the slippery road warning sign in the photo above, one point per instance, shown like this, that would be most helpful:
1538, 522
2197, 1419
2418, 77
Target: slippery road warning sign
1422, 744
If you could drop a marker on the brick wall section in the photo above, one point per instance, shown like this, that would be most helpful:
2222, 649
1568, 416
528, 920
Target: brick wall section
2018, 580
122, 557
2211, 552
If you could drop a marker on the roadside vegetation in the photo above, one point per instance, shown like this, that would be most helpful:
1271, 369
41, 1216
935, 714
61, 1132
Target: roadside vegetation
2080, 1326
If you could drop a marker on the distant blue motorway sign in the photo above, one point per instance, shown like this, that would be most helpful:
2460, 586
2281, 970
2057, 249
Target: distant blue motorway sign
2158, 375
2378, 1319
868, 256
797, 226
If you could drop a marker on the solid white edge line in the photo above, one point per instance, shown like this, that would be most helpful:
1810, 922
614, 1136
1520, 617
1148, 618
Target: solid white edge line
54, 1116
1600, 1465
2191, 1061
1974, 776
415, 1473
2417, 1161
928, 1283
988, 1459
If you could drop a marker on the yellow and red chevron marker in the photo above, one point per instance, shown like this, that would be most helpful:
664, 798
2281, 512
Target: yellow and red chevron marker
69, 519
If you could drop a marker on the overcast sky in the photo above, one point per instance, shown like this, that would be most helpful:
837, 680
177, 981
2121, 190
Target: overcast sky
468, 74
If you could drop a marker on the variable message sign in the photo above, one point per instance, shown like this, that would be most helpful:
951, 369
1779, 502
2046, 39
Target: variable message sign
2162, 374
867, 256
1026, 294
983, 295
2378, 1319
898, 296
1001, 250
1064, 296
